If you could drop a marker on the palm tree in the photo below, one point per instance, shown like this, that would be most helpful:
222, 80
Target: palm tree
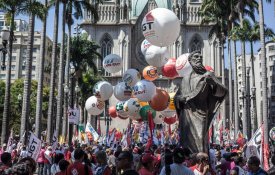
41, 76
35, 8
78, 6
53, 71
61, 72
13, 8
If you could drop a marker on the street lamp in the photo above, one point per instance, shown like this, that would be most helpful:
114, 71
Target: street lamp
5, 34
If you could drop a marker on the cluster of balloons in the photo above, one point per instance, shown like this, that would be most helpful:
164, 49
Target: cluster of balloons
138, 97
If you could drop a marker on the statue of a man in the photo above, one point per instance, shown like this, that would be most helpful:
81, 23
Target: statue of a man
197, 100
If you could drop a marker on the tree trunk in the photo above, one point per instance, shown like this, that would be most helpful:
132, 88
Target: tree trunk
53, 70
244, 114
236, 97
68, 54
39, 102
6, 112
223, 82
61, 74
230, 85
27, 81
254, 105
264, 77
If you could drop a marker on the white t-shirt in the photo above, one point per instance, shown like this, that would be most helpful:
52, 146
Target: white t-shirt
177, 169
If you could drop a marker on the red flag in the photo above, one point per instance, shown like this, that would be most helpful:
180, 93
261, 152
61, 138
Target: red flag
265, 152
210, 133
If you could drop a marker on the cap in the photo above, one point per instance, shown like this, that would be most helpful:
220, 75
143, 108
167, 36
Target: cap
146, 158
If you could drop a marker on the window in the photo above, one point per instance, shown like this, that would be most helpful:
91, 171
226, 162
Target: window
23, 67
33, 67
34, 58
14, 50
194, 1
2, 76
34, 50
271, 48
195, 44
13, 67
13, 58
12, 76
106, 47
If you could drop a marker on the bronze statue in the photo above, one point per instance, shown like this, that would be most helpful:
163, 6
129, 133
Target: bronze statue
197, 100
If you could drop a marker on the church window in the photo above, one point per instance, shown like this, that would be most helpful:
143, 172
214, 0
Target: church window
106, 48
195, 44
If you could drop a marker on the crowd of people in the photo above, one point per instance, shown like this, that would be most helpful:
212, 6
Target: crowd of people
99, 159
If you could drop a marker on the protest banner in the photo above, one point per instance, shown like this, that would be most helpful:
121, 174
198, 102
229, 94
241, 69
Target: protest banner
34, 146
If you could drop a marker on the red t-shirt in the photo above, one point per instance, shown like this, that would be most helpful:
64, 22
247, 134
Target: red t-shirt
144, 171
78, 168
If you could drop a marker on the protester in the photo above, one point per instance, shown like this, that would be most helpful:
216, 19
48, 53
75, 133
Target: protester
177, 168
202, 166
55, 167
254, 166
41, 160
5, 161
31, 165
63, 165
124, 163
77, 167
23, 153
47, 161
102, 167
147, 162
239, 164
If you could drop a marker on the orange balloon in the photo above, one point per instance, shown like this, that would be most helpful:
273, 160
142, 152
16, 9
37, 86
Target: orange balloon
143, 103
160, 101
150, 73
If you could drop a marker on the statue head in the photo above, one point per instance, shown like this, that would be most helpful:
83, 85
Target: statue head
195, 59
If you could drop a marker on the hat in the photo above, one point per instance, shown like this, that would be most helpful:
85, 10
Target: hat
146, 158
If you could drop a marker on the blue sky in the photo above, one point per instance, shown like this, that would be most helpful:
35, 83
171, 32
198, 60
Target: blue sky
268, 12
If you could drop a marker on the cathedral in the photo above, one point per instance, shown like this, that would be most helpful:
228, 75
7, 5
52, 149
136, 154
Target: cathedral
119, 31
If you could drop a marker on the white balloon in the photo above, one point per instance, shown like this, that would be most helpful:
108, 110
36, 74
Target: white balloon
168, 113
183, 66
161, 27
112, 63
144, 46
120, 109
131, 77
122, 91
158, 118
94, 106
157, 56
103, 90
132, 107
144, 90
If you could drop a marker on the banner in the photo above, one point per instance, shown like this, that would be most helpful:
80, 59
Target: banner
54, 140
73, 116
34, 146
254, 146
91, 131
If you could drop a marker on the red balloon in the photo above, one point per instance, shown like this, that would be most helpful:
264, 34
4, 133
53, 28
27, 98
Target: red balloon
170, 120
160, 101
169, 69
112, 112
209, 68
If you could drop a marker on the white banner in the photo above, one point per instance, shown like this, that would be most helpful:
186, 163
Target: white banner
254, 146
89, 129
54, 141
73, 116
34, 146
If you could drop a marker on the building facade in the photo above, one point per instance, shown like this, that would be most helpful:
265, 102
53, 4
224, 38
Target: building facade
119, 31
270, 55
20, 25
19, 54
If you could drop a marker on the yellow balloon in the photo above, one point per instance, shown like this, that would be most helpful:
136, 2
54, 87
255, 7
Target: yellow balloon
171, 103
